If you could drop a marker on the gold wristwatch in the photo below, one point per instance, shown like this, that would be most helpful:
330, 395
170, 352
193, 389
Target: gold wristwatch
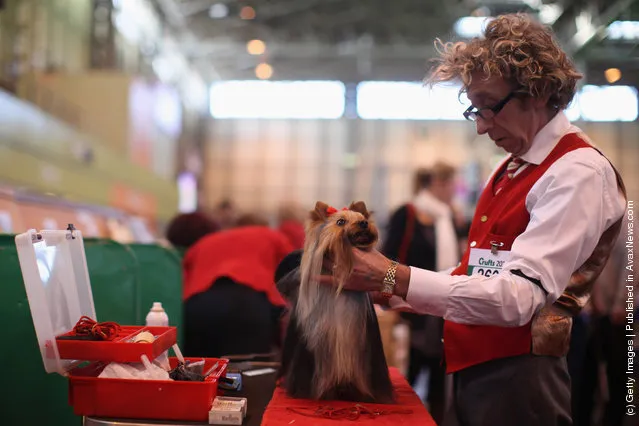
389, 281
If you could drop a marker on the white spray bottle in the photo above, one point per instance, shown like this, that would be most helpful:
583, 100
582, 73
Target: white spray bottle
157, 317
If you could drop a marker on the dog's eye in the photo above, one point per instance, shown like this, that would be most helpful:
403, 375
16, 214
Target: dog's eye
341, 222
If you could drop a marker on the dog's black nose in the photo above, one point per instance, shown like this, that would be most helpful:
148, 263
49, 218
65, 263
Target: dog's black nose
363, 224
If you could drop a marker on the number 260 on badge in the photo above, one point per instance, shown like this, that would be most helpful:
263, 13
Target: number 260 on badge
485, 262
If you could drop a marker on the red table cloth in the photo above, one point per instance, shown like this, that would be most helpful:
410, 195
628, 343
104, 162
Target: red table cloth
285, 411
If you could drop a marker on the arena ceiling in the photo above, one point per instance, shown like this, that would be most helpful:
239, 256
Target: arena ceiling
354, 40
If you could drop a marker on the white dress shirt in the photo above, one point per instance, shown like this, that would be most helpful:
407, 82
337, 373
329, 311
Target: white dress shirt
570, 207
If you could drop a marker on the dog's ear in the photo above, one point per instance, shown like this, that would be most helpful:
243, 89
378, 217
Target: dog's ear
320, 212
360, 207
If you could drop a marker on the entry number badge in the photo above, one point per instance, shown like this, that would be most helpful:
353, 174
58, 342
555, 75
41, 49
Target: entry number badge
486, 262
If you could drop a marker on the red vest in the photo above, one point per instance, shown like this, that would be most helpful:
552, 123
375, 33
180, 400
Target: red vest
498, 218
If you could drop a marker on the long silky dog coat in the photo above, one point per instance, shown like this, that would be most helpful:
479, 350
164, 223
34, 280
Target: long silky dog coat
333, 349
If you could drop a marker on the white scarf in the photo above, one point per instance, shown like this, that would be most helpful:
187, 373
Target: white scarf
446, 250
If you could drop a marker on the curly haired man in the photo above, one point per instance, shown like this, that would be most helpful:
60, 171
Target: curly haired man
542, 232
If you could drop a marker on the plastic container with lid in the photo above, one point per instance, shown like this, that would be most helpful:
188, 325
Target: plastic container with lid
56, 279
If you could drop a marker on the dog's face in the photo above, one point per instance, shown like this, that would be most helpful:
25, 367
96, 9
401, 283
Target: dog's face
332, 233
355, 224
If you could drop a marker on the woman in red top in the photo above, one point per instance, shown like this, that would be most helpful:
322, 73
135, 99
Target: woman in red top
231, 304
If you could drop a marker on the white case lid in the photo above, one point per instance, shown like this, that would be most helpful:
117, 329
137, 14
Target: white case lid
56, 278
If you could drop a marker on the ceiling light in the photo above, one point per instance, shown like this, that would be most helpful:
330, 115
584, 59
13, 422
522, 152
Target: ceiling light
247, 13
255, 47
533, 4
471, 26
263, 71
612, 75
549, 13
218, 11
623, 30
585, 29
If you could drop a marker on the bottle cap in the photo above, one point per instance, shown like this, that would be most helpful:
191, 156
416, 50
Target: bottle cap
157, 306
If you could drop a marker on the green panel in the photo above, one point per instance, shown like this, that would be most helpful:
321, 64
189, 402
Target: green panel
30, 397
160, 278
113, 271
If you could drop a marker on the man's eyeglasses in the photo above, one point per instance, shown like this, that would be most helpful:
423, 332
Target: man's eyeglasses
487, 113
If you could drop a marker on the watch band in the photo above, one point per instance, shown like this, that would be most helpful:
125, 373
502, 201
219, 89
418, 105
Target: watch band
389, 282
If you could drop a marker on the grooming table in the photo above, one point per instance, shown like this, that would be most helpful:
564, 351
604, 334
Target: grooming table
278, 411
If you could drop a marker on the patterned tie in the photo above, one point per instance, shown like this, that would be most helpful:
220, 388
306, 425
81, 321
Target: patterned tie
511, 169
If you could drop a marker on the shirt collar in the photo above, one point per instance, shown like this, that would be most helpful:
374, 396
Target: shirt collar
547, 138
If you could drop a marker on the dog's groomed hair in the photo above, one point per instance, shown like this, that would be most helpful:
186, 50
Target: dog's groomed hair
332, 319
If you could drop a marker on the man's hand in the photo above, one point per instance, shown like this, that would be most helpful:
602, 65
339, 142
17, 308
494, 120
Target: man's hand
369, 270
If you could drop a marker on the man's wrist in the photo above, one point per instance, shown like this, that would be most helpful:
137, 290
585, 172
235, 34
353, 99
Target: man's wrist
388, 283
402, 278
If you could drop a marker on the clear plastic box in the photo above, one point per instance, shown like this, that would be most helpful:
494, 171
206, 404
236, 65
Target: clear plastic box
56, 280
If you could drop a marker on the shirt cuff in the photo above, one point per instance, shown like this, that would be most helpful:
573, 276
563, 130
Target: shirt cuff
397, 302
428, 291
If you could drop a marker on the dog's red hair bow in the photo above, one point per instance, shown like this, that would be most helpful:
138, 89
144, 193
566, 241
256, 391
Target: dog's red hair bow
331, 210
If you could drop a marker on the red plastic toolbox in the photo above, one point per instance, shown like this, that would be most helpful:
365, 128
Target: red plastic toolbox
56, 278
144, 399
120, 349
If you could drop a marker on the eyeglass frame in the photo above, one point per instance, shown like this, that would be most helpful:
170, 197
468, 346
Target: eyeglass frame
472, 110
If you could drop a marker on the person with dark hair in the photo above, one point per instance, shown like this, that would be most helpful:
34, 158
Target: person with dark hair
225, 214
186, 229
231, 304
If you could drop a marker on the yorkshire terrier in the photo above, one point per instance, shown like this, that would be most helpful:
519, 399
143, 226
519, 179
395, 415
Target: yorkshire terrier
333, 349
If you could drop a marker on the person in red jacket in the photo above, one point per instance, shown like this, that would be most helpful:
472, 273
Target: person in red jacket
543, 228
231, 304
